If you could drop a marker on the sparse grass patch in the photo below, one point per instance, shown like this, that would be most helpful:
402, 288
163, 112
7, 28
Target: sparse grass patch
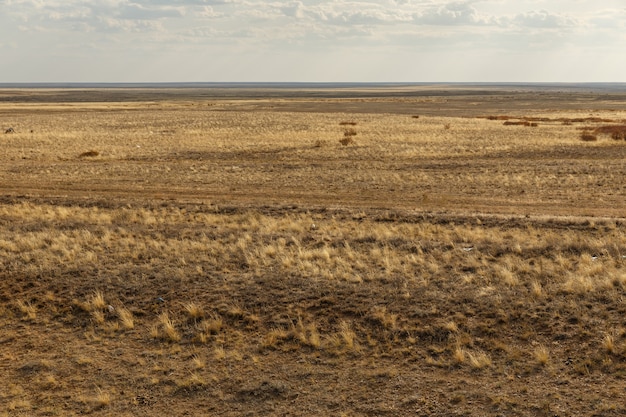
27, 309
430, 258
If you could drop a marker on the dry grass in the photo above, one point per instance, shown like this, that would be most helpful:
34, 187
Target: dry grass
126, 318
194, 311
27, 309
170, 157
222, 261
541, 354
168, 328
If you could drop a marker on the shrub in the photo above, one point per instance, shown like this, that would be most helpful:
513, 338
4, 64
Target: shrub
588, 137
349, 132
617, 132
89, 154
348, 135
346, 141
520, 123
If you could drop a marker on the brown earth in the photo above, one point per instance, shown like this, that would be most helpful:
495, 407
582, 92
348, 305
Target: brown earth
221, 253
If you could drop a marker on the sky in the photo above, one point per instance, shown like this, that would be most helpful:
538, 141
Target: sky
312, 41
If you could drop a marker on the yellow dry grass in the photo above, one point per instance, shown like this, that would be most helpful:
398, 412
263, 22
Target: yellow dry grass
245, 262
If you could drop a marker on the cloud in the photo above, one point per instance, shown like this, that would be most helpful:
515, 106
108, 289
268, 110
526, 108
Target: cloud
453, 14
183, 2
293, 9
546, 20
137, 12
393, 29
361, 16
108, 24
608, 18
207, 12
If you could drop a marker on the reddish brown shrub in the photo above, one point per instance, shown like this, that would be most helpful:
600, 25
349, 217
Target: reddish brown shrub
588, 137
617, 132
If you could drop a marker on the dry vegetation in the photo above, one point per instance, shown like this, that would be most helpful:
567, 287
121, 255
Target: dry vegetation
178, 257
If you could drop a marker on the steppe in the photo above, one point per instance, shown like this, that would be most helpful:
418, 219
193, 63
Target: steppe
356, 250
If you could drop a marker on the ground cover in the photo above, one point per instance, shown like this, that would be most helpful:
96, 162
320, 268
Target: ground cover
197, 258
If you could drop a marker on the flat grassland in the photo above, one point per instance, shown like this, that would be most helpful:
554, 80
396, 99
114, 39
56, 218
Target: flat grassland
398, 251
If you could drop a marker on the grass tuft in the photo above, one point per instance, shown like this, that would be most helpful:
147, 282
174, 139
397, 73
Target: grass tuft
194, 311
541, 354
102, 399
26, 308
169, 329
126, 318
608, 344
96, 301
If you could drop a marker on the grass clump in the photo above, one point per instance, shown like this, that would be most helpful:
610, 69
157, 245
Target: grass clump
193, 310
541, 354
126, 318
588, 137
169, 331
27, 309
96, 301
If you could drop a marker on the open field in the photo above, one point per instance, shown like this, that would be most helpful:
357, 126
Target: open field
361, 253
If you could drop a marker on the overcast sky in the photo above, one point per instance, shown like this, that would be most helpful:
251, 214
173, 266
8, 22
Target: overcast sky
312, 40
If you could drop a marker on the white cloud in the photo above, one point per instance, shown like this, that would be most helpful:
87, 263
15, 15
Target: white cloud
453, 14
207, 12
405, 32
546, 20
138, 12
